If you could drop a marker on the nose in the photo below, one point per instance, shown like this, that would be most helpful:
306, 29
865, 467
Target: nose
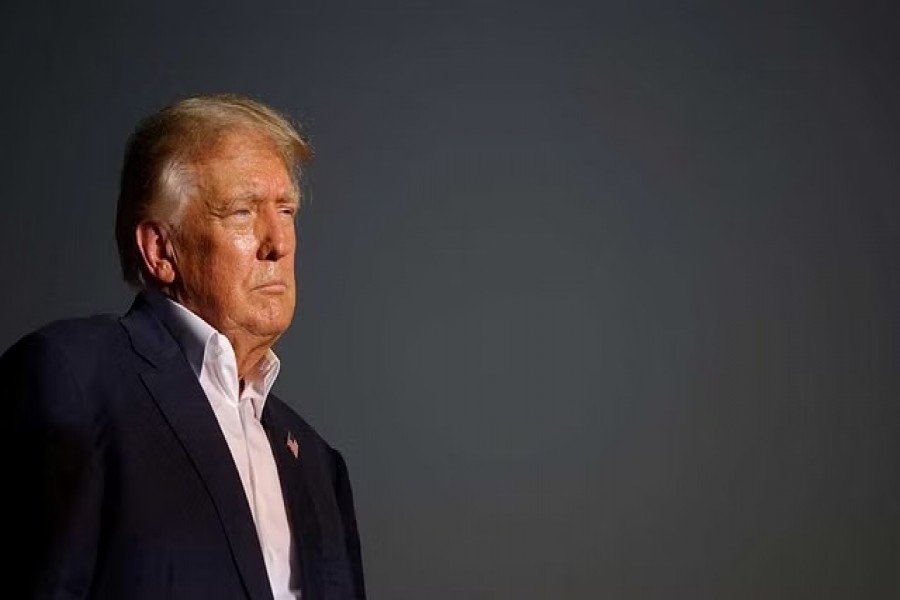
276, 236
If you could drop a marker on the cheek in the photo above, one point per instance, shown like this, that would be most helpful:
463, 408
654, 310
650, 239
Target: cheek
244, 245
224, 263
234, 255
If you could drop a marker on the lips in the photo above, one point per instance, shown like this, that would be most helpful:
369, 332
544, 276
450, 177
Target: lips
272, 287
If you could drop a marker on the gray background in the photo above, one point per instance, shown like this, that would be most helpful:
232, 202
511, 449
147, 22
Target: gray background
599, 300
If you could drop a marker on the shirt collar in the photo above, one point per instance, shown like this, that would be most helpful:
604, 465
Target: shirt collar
192, 333
204, 347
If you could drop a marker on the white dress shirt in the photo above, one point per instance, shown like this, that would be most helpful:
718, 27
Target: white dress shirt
212, 358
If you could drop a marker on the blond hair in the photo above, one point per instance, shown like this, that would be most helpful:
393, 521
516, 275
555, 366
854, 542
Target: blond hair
156, 177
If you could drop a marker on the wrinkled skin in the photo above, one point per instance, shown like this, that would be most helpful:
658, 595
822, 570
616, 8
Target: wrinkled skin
232, 253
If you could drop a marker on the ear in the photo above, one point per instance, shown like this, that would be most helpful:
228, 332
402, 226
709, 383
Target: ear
156, 251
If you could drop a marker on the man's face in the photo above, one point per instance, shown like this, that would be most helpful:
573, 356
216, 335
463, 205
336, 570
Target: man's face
234, 247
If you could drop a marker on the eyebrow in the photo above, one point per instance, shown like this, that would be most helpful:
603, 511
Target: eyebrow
251, 197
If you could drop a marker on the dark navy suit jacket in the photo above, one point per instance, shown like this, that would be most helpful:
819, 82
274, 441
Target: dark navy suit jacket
123, 484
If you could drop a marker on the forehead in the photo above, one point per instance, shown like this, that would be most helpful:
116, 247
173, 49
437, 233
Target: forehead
241, 164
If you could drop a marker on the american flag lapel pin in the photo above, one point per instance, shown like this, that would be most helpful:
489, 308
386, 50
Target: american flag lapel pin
292, 445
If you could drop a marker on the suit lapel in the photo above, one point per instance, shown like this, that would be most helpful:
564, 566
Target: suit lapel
292, 471
175, 389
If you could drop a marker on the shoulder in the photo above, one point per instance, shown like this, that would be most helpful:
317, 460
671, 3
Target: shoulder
49, 374
73, 344
80, 329
75, 335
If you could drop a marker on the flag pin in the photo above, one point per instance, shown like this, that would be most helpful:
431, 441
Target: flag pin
293, 446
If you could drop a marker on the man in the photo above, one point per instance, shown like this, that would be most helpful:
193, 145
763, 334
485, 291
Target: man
148, 448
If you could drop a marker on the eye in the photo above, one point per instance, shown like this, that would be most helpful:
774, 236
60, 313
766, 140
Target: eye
288, 210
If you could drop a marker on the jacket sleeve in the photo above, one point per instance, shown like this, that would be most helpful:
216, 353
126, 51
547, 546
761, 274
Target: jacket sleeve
54, 473
344, 496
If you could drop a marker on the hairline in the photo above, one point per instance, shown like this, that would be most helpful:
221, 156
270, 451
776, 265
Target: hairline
179, 181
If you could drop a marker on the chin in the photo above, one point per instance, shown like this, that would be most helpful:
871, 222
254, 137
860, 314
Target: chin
274, 324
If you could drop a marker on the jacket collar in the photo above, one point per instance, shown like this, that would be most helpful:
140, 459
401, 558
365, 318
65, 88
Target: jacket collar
148, 323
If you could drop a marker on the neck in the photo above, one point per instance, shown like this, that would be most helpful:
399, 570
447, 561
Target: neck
249, 348
248, 351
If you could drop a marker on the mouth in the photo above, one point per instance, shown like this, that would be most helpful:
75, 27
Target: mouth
272, 287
